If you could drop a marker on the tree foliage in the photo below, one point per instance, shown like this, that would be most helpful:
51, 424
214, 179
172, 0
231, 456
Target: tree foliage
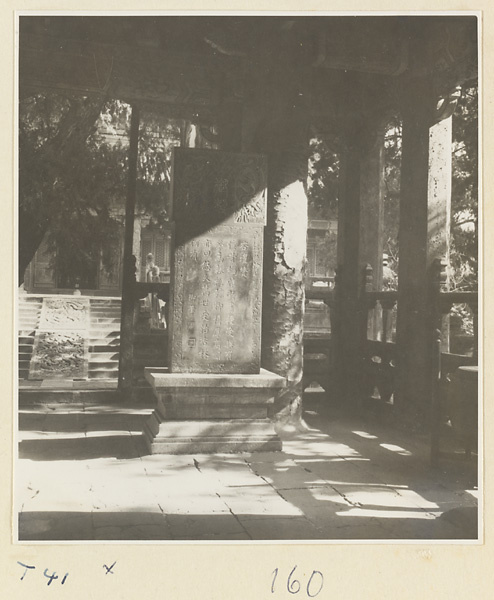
465, 190
67, 180
73, 178
322, 185
322, 192
158, 137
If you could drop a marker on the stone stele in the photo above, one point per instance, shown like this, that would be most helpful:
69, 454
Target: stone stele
215, 397
219, 207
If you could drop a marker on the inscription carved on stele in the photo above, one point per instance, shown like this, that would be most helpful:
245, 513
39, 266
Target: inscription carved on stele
219, 203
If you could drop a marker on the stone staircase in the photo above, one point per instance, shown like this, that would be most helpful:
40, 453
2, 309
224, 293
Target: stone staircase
29, 313
150, 345
80, 425
104, 338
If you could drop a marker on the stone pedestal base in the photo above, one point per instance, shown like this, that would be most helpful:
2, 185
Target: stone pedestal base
209, 413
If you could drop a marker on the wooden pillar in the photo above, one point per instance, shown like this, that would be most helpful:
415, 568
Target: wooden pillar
126, 359
423, 237
360, 232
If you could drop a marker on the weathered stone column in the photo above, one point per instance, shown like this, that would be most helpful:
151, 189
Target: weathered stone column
284, 290
276, 123
423, 236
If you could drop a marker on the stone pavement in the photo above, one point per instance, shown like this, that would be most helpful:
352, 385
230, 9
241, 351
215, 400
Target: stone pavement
83, 474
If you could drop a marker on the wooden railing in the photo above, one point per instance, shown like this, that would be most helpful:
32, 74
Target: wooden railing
317, 344
378, 342
143, 288
379, 358
445, 364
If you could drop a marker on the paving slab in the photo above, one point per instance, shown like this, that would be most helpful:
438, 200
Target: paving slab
274, 527
83, 474
204, 525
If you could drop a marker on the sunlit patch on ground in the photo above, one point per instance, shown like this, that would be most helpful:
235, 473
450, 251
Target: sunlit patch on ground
83, 474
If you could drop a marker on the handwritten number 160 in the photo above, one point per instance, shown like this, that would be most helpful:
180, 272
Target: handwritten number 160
314, 585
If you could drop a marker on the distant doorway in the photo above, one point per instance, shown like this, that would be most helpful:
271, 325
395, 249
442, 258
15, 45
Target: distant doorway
157, 243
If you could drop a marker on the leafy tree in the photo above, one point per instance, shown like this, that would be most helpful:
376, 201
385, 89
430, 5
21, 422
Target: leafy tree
322, 185
158, 136
72, 178
50, 127
392, 170
465, 187
322, 192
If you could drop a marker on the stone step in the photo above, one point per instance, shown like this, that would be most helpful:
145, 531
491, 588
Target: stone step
95, 433
96, 306
98, 321
102, 365
28, 323
194, 412
104, 374
26, 339
106, 367
188, 437
26, 301
109, 345
25, 312
37, 397
102, 347
114, 307
104, 319
102, 358
112, 377
103, 332
27, 348
27, 329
